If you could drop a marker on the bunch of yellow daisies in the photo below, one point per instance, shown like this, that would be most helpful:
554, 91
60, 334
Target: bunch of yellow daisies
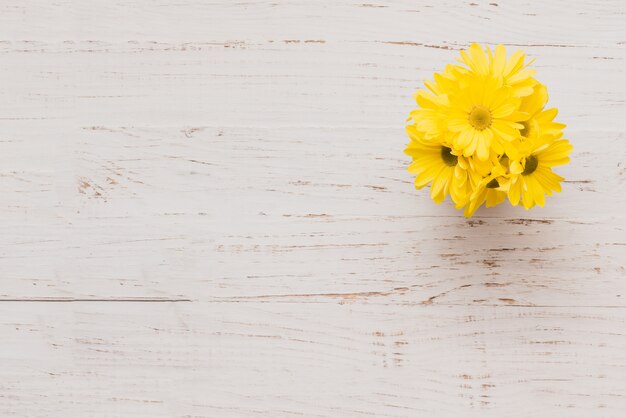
481, 133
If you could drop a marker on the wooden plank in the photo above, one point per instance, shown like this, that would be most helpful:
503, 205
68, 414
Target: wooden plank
310, 359
560, 22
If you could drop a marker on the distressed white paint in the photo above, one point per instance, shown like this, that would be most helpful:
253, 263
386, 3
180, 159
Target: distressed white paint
205, 213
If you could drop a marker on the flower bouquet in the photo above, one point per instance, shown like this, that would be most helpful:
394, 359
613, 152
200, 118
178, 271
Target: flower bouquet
481, 133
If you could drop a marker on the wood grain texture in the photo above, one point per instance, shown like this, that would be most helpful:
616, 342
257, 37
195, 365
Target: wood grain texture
206, 213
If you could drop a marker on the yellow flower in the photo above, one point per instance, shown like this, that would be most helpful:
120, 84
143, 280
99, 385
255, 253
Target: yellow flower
479, 106
540, 122
531, 176
429, 118
486, 191
512, 71
491, 189
483, 113
437, 164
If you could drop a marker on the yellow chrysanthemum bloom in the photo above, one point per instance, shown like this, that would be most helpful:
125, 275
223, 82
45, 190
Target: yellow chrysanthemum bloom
491, 189
540, 121
480, 105
483, 113
531, 176
513, 71
481, 134
436, 163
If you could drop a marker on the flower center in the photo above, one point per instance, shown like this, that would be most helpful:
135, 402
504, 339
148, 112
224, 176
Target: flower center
531, 165
504, 160
526, 130
493, 184
480, 117
447, 156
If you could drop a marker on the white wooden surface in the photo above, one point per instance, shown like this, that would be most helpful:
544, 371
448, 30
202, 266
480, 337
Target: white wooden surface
204, 212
